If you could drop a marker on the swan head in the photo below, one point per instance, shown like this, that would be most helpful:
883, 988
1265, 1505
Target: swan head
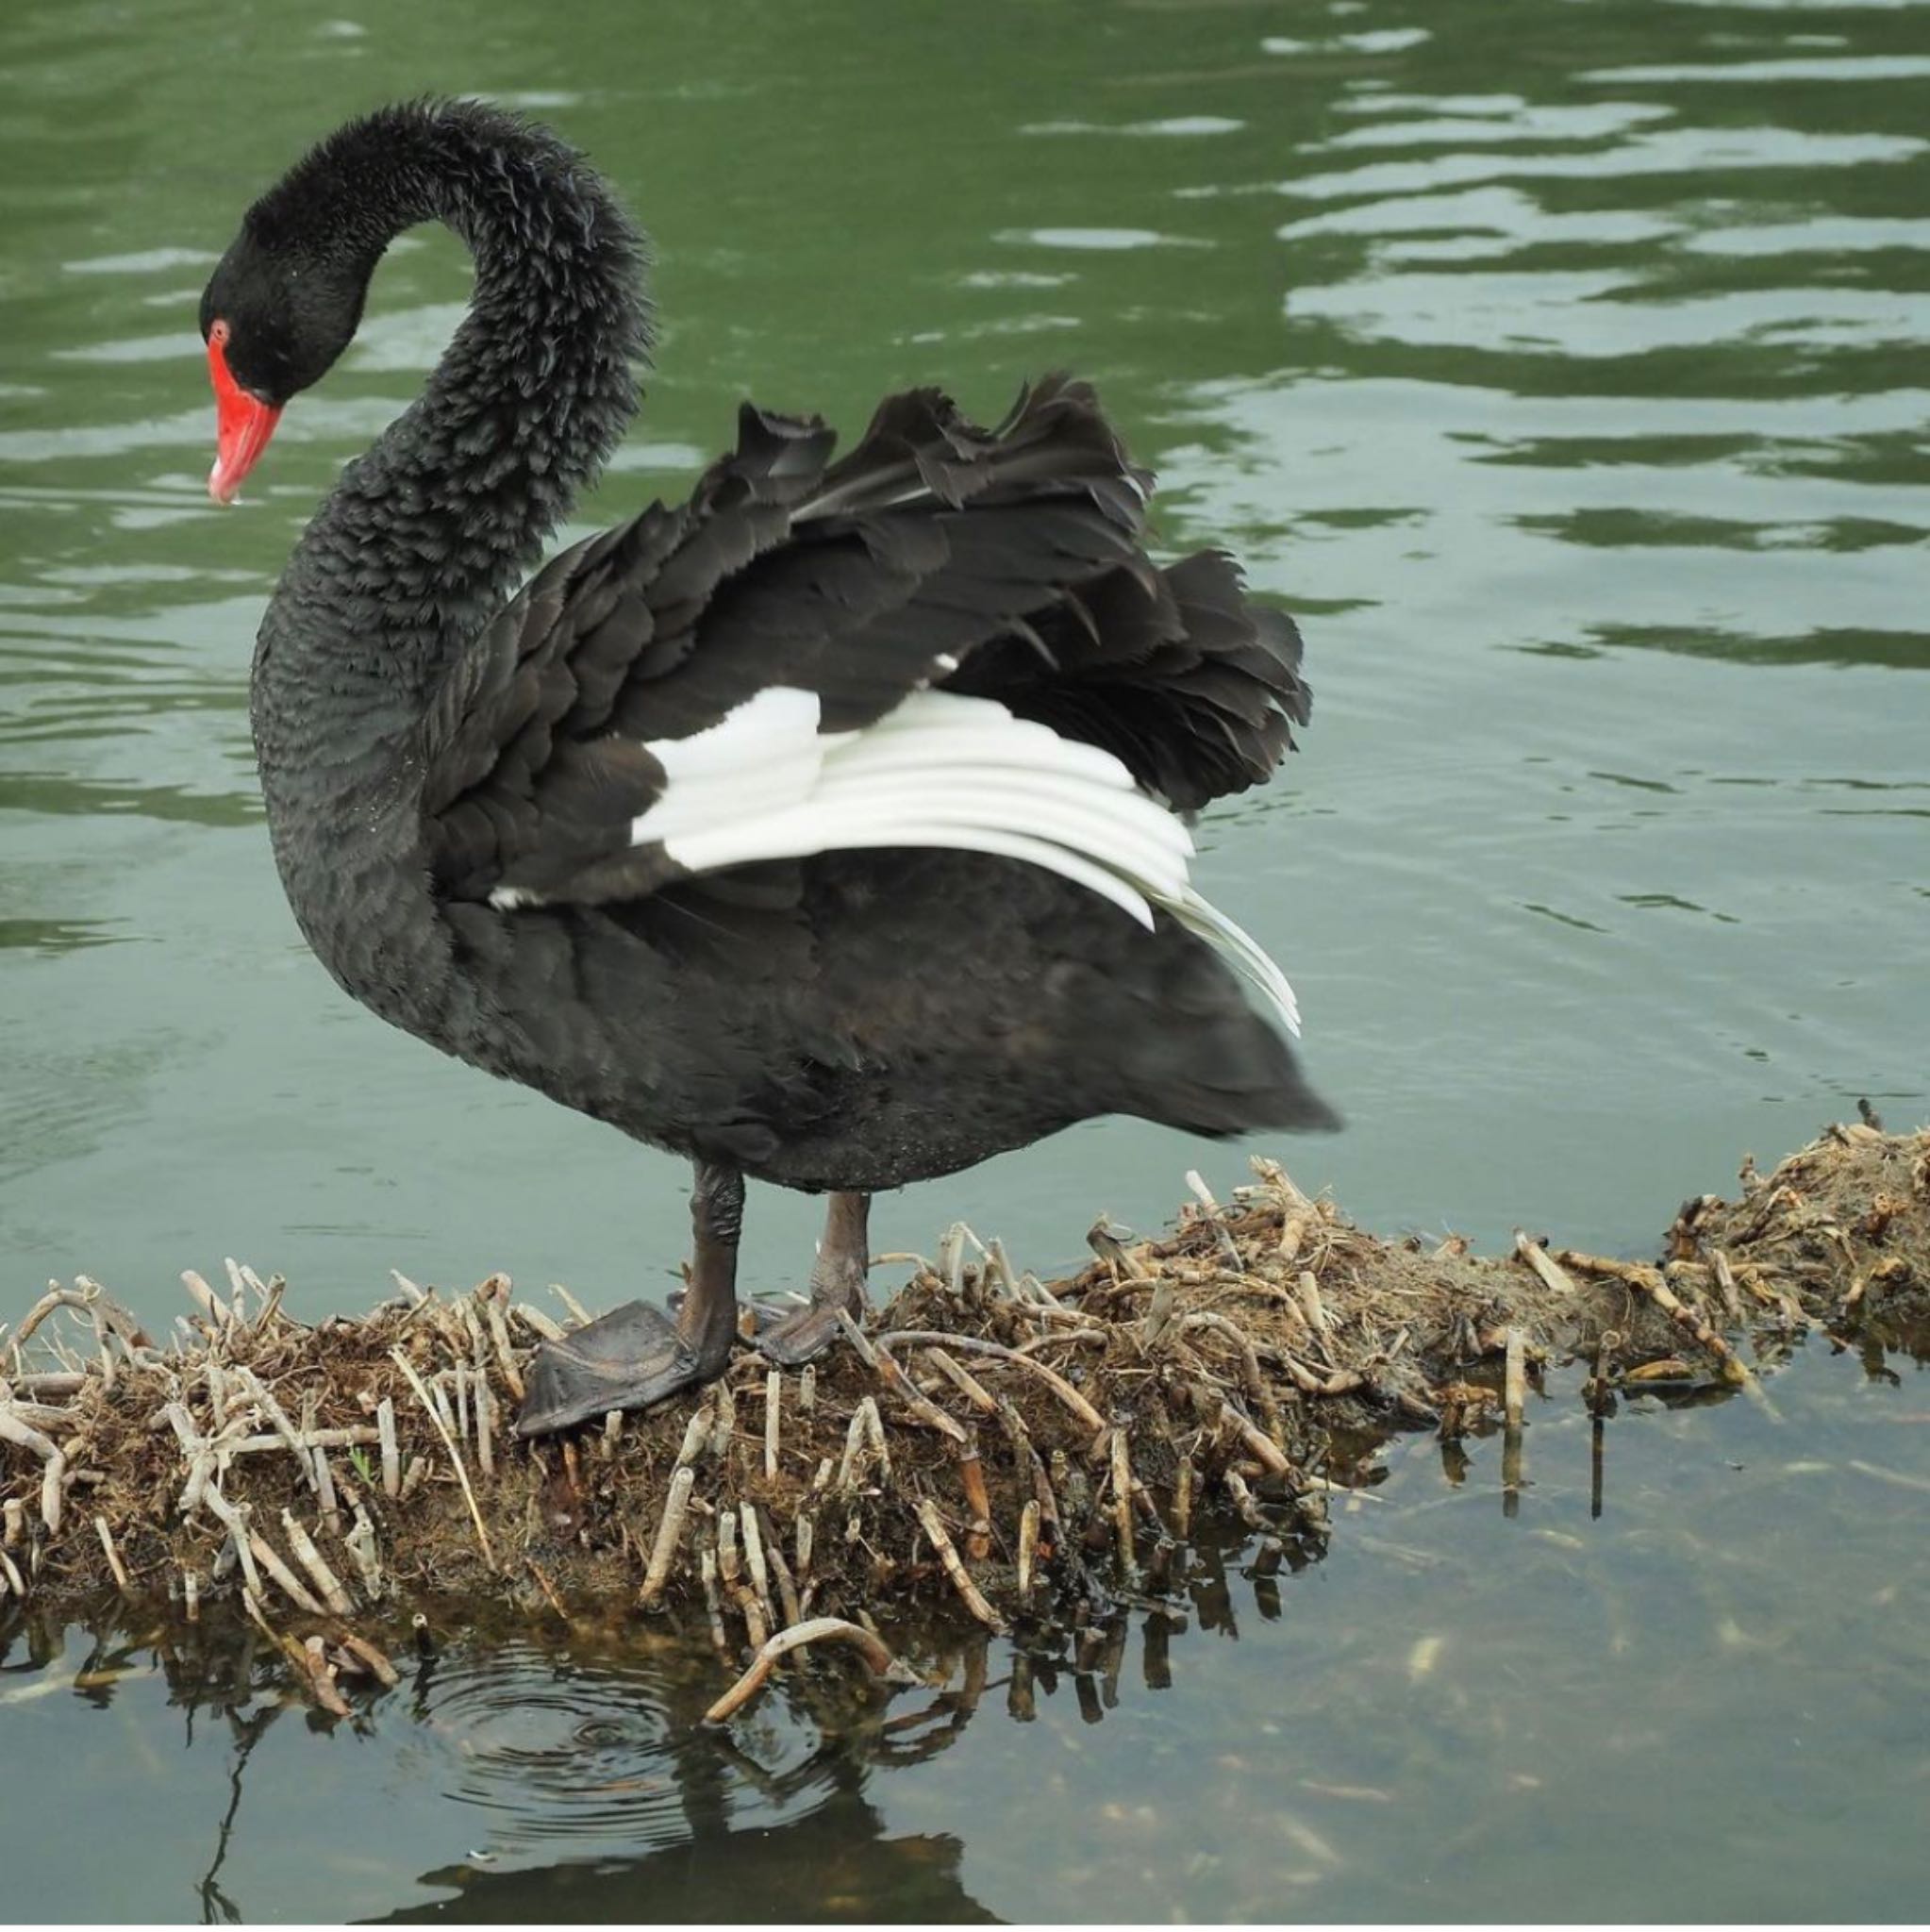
275, 318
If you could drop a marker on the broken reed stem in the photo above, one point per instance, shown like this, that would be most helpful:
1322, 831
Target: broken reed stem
310, 1558
548, 1588
1267, 1452
357, 1436
934, 1528
971, 1474
1549, 1272
878, 1659
360, 1544
372, 1654
236, 1516
415, 1382
1312, 1306
392, 1455
291, 1586
325, 1483
967, 1384
854, 1447
538, 1323
1251, 1380
114, 1563
874, 1434
48, 1382
1244, 1500
713, 1604
1514, 1396
578, 1313
53, 1475
1028, 1547
787, 1584
264, 1399
322, 1677
485, 1413
754, 1561
499, 1333
774, 1412
1123, 1497
220, 1318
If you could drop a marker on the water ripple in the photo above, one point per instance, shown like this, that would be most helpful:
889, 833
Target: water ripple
550, 1751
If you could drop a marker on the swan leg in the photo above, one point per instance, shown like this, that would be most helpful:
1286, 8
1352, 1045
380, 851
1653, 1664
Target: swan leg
837, 1285
635, 1355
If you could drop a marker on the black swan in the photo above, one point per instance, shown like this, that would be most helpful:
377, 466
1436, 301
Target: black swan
828, 829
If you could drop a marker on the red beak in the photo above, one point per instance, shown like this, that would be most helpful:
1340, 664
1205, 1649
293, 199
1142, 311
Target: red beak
243, 423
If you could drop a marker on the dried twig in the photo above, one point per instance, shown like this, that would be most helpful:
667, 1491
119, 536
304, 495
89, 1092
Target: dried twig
669, 1526
971, 1345
114, 1562
934, 1527
900, 1384
291, 1586
878, 1659
1548, 1271
311, 1558
22, 1436
1028, 1547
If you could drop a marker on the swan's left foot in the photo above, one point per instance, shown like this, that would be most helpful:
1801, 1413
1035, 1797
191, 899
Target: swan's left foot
635, 1355
837, 1285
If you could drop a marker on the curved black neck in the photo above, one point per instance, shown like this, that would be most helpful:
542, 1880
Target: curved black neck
423, 537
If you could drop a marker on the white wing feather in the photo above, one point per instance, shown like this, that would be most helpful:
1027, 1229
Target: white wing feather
939, 770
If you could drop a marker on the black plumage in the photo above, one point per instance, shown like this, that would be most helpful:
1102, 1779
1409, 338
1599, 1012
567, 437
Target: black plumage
454, 779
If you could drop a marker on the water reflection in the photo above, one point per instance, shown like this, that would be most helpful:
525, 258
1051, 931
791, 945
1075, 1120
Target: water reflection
739, 1826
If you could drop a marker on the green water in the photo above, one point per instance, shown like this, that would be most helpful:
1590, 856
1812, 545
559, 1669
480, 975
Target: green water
1564, 367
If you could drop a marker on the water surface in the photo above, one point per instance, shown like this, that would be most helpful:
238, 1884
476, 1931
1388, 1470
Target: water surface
1670, 1709
1563, 367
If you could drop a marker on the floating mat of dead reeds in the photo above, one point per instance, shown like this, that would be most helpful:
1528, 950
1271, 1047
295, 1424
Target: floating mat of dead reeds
986, 1438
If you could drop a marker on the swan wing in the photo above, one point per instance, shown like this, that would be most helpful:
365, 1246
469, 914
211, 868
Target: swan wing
952, 636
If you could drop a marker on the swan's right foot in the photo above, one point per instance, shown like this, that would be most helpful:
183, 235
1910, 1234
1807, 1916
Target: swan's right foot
633, 1358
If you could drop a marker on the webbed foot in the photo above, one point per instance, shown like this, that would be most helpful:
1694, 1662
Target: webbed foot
802, 1335
837, 1287
632, 1357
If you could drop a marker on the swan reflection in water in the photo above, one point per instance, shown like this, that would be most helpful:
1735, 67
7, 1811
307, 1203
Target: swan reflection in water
596, 1784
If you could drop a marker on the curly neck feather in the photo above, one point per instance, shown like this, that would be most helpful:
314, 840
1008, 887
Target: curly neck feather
423, 537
